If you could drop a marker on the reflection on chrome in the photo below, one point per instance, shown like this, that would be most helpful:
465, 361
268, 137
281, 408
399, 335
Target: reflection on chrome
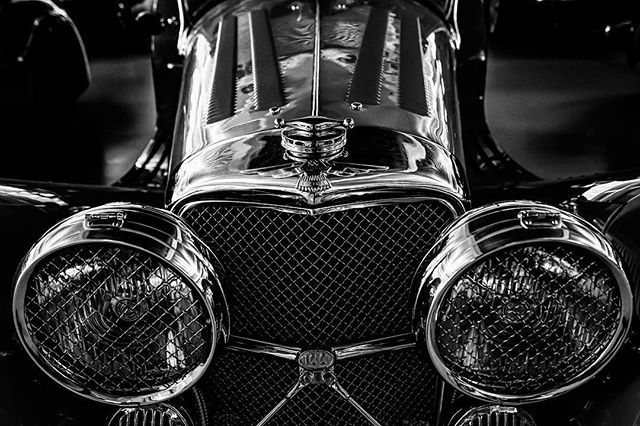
116, 313
108, 328
155, 415
493, 415
521, 313
530, 328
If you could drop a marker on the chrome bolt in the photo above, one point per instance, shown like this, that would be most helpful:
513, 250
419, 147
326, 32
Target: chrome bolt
356, 106
349, 123
279, 122
274, 110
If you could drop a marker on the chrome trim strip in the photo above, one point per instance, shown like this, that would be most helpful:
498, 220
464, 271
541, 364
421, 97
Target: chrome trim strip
181, 209
183, 32
344, 394
243, 344
293, 392
372, 347
356, 350
315, 101
454, 28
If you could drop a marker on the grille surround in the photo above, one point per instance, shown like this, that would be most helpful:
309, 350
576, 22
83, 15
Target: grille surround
500, 228
144, 234
309, 318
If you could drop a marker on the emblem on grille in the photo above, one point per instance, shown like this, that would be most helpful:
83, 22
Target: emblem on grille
313, 145
316, 359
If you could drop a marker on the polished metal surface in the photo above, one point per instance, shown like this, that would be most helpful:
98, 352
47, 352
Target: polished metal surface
493, 415
534, 299
393, 343
155, 415
152, 166
405, 140
390, 387
318, 367
105, 281
303, 277
242, 344
617, 191
313, 146
354, 350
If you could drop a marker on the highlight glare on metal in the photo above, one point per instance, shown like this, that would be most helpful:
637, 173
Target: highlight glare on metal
155, 415
520, 307
493, 415
126, 314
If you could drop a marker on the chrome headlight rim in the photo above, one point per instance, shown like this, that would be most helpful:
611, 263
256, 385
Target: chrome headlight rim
202, 279
575, 233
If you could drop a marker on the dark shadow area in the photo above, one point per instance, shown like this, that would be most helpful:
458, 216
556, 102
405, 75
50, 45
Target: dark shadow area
564, 103
94, 141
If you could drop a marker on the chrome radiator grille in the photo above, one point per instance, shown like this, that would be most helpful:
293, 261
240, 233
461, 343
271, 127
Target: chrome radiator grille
396, 388
327, 279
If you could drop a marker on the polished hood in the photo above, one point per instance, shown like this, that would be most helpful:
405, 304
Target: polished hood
378, 74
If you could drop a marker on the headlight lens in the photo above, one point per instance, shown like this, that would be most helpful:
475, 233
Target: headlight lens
520, 314
528, 319
113, 321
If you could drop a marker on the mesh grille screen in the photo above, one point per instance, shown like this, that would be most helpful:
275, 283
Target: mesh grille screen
115, 320
528, 319
397, 388
329, 279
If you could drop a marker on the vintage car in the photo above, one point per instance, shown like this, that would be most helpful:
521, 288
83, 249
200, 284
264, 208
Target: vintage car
322, 231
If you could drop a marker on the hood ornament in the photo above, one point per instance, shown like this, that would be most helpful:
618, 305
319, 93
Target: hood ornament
313, 145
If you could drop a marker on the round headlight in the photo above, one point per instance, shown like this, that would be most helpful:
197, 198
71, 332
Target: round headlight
118, 304
525, 302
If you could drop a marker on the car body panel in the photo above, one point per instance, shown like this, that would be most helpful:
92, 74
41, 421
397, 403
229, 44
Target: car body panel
226, 138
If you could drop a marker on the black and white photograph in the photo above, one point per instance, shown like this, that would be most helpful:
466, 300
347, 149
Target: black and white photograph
319, 213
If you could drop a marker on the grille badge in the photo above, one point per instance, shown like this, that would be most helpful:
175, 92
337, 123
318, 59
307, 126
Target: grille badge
316, 359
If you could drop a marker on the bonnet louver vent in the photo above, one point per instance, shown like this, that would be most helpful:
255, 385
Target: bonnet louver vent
267, 85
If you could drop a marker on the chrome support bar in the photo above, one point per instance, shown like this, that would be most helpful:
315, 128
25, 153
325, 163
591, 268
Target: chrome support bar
290, 353
243, 344
386, 344
343, 393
